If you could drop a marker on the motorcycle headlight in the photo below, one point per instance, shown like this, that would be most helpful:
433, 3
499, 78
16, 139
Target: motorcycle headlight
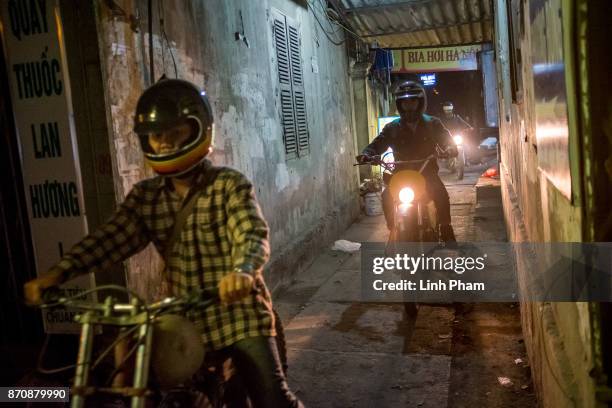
458, 139
406, 195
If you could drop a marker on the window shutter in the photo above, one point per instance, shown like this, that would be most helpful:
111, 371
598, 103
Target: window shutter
284, 81
291, 85
282, 53
298, 92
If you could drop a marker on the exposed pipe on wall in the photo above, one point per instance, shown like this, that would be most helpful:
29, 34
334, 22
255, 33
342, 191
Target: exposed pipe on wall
150, 21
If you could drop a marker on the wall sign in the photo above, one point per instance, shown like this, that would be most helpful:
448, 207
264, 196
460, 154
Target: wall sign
383, 120
40, 94
462, 58
428, 79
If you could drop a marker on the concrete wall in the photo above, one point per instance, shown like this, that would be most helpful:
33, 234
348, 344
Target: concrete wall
369, 104
87, 94
557, 335
306, 201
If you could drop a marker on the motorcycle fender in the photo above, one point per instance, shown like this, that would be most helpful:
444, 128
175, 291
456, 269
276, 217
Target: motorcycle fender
406, 218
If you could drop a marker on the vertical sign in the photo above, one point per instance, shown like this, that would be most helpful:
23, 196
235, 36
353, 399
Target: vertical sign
489, 81
40, 93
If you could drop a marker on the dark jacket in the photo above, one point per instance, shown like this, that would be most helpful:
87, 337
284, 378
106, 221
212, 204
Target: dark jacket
412, 145
455, 123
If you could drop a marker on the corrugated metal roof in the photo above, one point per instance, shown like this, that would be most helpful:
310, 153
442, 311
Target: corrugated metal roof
418, 23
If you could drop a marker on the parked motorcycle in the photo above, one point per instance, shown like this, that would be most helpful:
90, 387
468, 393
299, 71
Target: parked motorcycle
487, 150
166, 351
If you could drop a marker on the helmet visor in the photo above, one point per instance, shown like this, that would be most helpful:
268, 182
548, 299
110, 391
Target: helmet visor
171, 139
409, 90
409, 94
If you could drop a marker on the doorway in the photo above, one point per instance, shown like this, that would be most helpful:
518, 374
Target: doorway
21, 326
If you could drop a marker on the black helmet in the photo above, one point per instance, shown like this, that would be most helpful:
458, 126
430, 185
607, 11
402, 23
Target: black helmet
411, 90
164, 105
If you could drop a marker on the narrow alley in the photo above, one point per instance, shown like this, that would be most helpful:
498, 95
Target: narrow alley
344, 353
409, 202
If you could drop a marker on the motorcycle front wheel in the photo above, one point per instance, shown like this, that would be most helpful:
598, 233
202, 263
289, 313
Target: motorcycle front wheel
460, 164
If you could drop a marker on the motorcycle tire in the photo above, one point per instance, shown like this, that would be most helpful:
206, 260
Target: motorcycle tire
460, 172
406, 229
408, 235
429, 235
281, 343
451, 165
460, 165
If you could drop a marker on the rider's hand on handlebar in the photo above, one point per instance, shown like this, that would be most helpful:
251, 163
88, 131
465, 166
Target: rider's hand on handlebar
363, 158
442, 153
33, 290
235, 287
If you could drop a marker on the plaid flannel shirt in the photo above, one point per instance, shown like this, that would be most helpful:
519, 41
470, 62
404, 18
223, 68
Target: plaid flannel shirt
225, 230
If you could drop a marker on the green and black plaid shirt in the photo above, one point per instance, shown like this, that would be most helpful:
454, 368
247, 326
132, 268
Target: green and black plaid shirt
225, 230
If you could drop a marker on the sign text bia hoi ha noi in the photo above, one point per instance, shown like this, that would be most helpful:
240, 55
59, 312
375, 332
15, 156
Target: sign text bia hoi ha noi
440, 59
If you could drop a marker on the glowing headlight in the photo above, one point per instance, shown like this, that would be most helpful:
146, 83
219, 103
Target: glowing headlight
458, 139
406, 195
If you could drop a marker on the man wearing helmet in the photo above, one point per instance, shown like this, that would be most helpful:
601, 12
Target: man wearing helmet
451, 120
223, 242
414, 136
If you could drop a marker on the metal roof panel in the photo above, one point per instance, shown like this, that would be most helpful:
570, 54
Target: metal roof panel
415, 23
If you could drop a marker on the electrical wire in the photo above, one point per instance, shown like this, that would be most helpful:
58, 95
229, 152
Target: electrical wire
39, 366
161, 19
151, 61
43, 350
111, 347
96, 289
334, 27
41, 369
149, 319
338, 23
126, 358
327, 34
163, 31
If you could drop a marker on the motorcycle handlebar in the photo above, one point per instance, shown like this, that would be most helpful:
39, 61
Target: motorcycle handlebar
378, 161
52, 299
201, 297
428, 158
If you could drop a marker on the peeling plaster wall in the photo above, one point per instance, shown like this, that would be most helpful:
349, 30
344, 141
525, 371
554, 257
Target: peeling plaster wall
557, 335
368, 106
307, 201
87, 95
